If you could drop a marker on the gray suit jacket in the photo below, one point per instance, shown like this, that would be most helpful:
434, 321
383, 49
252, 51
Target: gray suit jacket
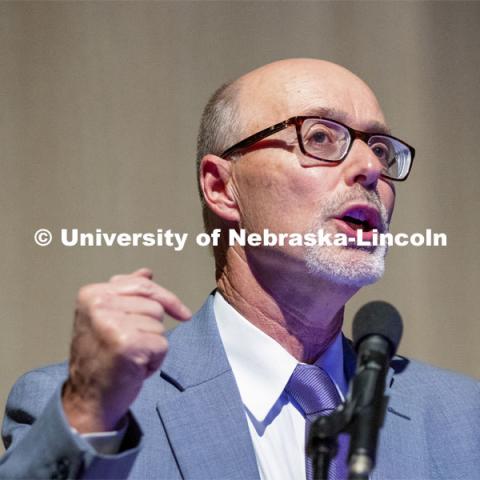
189, 421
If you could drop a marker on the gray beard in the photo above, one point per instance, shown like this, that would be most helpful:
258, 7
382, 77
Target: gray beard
350, 266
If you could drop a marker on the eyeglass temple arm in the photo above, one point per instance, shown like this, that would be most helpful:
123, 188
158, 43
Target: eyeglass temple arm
249, 141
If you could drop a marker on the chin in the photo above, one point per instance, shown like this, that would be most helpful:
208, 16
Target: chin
352, 267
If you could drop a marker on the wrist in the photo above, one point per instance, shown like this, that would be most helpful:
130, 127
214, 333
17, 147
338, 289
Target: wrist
86, 412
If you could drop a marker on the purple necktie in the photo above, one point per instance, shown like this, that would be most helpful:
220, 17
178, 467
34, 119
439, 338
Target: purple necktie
313, 390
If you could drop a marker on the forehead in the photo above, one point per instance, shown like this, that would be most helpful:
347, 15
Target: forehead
271, 95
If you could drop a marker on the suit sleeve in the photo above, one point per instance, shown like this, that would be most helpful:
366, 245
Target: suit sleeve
40, 443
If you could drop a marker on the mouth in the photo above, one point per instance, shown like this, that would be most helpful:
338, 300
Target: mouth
360, 217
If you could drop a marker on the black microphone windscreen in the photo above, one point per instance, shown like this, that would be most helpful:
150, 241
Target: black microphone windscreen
378, 318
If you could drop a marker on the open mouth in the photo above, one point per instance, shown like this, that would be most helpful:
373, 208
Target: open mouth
355, 224
361, 217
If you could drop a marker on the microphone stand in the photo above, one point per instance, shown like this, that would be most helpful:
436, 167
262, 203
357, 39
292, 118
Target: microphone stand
322, 442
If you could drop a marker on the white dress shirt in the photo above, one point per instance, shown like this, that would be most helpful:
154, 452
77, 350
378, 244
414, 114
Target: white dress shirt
262, 368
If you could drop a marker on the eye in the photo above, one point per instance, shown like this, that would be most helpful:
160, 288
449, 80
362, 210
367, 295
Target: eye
384, 153
320, 136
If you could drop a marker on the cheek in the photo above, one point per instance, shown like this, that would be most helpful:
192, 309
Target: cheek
261, 199
387, 197
281, 198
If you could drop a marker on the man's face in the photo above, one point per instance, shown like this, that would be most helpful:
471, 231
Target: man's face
279, 189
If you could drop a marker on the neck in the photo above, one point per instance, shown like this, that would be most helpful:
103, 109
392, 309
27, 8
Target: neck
277, 295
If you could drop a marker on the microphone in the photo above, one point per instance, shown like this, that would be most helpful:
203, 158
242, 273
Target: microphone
377, 330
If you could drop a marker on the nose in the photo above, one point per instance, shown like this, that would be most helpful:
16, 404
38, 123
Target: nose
362, 166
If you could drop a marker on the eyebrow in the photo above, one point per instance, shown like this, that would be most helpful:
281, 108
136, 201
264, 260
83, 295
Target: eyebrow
343, 117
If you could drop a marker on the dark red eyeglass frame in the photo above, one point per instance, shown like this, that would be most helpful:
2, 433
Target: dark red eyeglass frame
298, 122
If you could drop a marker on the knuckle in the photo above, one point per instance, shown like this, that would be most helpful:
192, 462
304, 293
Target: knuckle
145, 286
101, 300
92, 295
140, 359
159, 311
121, 343
144, 271
114, 337
84, 294
116, 278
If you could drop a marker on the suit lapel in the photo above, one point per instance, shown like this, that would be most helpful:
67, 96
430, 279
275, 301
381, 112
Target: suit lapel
200, 405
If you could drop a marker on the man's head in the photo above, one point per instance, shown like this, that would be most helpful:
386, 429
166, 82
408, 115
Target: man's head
274, 185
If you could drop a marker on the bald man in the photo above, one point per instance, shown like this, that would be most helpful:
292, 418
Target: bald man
293, 147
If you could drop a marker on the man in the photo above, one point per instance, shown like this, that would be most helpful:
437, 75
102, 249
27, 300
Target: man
228, 401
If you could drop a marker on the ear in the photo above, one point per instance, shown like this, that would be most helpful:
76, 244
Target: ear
215, 176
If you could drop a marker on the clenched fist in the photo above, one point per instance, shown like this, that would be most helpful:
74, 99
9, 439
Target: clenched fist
118, 341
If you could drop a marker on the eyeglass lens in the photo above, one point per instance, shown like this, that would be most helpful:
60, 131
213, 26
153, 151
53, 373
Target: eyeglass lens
327, 140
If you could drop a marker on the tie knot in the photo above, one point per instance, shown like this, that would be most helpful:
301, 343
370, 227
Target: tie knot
313, 389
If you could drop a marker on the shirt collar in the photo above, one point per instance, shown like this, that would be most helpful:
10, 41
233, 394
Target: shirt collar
261, 366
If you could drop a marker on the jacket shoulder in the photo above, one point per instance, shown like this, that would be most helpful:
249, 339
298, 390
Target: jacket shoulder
420, 380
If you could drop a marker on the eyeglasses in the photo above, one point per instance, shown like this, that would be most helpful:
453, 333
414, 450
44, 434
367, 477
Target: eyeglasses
330, 141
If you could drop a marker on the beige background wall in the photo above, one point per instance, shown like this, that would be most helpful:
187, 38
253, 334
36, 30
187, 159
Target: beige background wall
99, 108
